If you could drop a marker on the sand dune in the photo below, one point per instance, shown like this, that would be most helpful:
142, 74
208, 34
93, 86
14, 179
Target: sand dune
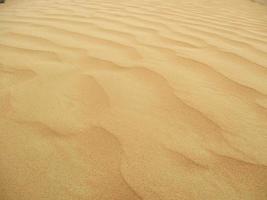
125, 100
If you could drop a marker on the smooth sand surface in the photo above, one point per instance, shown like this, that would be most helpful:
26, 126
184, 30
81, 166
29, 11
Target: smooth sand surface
133, 99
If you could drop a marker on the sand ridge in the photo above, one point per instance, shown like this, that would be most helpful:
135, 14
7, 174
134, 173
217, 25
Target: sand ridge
125, 100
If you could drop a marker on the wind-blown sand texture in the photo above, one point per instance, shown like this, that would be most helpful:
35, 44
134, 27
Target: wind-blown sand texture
133, 99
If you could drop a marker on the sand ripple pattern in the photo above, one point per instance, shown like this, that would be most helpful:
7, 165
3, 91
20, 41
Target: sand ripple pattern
133, 100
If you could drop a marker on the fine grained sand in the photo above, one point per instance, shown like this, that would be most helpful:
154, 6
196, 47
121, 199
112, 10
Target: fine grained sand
133, 99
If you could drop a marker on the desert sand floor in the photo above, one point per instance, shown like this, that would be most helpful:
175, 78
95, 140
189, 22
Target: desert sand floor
133, 99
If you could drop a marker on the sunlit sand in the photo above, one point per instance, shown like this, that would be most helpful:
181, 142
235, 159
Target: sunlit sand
133, 99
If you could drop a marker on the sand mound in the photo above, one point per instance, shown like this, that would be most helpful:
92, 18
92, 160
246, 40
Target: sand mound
125, 100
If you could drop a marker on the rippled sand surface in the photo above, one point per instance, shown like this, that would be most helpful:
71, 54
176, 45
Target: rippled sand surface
133, 99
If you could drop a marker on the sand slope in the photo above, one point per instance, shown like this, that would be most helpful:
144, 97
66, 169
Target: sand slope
130, 100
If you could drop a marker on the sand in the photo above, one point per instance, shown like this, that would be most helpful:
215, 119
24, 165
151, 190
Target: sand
133, 99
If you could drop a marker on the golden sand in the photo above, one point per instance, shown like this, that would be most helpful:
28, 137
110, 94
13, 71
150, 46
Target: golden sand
133, 99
